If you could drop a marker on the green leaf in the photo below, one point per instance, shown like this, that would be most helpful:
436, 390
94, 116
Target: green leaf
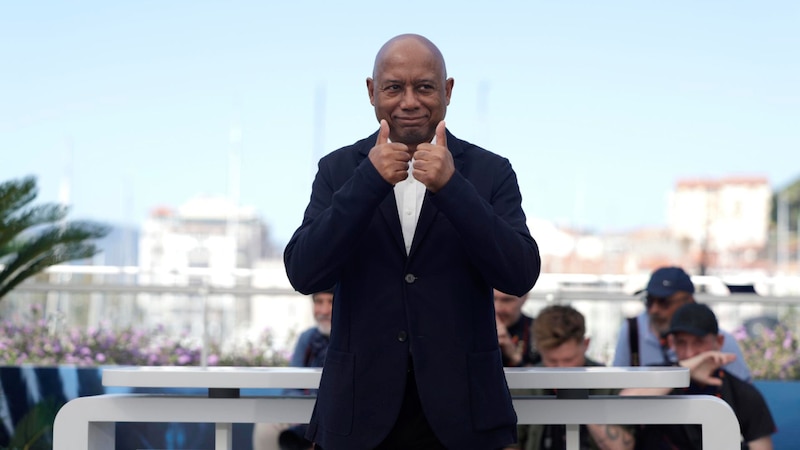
35, 430
32, 238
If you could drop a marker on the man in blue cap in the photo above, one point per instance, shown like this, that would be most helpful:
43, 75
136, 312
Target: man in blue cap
645, 344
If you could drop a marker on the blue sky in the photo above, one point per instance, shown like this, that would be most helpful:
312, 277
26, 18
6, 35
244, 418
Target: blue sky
600, 105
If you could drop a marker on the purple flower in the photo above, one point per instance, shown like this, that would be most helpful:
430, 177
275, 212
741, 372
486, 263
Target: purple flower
32, 342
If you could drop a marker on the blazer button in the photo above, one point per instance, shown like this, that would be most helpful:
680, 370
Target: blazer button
402, 336
410, 278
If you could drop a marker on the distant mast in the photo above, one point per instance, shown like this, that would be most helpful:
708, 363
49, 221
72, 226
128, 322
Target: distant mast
64, 189
318, 148
482, 110
234, 171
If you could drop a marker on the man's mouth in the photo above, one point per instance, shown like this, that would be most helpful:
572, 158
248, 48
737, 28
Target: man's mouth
410, 121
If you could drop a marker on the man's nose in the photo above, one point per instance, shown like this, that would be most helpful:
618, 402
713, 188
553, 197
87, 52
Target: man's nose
410, 100
692, 351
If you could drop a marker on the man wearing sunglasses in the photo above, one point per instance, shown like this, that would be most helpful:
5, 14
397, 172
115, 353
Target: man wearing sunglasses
645, 344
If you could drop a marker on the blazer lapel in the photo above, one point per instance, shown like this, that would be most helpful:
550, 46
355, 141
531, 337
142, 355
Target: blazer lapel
426, 218
428, 214
388, 209
388, 206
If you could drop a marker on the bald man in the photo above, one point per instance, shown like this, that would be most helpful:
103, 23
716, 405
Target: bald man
414, 227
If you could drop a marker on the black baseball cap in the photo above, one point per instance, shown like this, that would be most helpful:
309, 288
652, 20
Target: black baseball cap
694, 318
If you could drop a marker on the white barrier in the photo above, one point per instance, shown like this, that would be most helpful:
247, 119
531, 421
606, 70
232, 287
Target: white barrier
89, 422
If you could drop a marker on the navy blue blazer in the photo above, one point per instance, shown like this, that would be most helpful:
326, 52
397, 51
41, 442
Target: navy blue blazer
434, 305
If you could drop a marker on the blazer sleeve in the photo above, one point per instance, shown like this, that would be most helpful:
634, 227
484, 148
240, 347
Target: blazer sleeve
344, 197
494, 229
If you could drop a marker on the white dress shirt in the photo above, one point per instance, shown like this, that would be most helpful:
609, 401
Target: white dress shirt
409, 195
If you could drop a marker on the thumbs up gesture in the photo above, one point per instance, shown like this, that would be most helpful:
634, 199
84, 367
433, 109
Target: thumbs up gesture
433, 163
390, 158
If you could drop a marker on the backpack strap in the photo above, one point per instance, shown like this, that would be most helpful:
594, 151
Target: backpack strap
633, 341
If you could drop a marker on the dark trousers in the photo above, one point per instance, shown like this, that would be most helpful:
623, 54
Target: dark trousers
411, 431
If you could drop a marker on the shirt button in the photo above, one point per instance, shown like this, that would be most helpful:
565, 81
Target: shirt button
410, 278
402, 336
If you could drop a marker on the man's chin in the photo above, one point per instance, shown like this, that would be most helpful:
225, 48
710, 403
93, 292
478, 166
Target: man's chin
661, 330
412, 136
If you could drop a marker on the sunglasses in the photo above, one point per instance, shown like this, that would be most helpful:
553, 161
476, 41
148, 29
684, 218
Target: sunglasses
662, 302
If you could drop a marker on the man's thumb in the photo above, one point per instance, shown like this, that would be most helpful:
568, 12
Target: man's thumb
383, 134
441, 134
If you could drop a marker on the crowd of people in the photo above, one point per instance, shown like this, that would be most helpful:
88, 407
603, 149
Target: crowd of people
674, 330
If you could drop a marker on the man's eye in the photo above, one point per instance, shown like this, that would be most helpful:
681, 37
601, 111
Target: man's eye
393, 87
426, 87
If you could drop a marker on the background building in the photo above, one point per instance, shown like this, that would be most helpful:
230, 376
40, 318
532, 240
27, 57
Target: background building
723, 222
207, 242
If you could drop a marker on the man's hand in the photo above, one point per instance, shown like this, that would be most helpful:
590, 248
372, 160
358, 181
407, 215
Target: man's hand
389, 158
611, 437
511, 351
433, 164
702, 367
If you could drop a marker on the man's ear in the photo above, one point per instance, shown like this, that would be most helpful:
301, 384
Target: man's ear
720, 340
448, 89
370, 92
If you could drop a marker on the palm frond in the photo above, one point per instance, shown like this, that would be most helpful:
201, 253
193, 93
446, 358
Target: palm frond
15, 194
33, 238
12, 226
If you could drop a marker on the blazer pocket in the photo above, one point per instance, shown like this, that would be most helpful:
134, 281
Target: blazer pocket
336, 392
490, 400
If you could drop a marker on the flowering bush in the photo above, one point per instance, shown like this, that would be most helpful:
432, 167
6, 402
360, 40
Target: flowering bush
773, 354
32, 340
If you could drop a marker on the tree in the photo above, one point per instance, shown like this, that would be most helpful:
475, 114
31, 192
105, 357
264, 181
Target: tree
792, 195
34, 237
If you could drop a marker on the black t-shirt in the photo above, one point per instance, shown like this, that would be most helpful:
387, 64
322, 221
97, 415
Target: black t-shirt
749, 406
521, 331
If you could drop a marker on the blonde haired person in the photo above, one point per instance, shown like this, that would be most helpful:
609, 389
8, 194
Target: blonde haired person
559, 333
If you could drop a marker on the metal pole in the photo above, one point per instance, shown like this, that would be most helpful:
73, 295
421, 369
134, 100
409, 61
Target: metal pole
203, 292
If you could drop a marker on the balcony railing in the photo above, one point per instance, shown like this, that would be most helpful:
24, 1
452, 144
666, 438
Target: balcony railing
222, 305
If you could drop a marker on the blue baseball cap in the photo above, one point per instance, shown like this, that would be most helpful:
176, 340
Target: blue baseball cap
668, 280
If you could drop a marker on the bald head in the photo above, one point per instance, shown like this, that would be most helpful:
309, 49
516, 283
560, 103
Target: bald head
404, 43
409, 89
